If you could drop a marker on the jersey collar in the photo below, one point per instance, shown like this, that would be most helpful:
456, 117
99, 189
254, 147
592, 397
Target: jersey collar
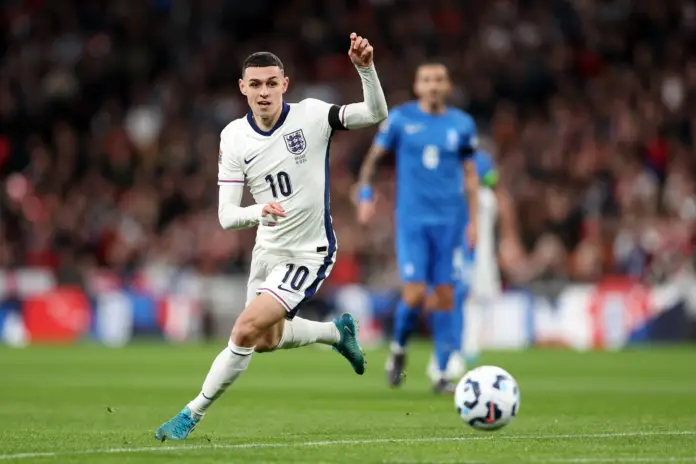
283, 115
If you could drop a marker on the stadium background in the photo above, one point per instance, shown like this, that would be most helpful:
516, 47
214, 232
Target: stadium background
109, 119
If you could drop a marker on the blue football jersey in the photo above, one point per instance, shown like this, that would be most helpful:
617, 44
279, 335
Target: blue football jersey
429, 150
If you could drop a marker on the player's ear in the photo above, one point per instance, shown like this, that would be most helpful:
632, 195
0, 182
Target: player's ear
242, 87
286, 83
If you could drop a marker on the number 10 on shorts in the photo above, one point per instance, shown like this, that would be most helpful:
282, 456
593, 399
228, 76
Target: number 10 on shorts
297, 277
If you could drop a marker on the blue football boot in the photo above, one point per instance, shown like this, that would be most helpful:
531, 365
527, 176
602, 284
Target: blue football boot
178, 427
348, 345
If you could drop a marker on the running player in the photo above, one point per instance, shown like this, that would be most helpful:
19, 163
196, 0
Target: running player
430, 141
281, 151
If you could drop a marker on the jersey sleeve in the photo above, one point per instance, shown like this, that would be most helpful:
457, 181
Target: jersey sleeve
326, 114
229, 168
468, 138
388, 133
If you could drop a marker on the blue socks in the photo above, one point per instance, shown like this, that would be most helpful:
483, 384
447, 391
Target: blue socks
441, 323
405, 323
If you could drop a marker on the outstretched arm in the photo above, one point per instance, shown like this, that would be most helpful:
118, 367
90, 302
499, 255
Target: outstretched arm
383, 143
373, 109
366, 203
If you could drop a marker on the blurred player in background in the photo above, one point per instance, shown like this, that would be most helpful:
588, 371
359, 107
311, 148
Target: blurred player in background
431, 141
479, 282
281, 152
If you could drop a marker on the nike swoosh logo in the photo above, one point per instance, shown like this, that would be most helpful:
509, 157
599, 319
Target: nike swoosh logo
247, 161
280, 287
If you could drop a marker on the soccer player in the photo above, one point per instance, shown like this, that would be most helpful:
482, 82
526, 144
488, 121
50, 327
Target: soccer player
431, 141
281, 151
479, 281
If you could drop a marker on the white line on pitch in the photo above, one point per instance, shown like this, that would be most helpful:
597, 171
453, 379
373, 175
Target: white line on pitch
598, 460
308, 444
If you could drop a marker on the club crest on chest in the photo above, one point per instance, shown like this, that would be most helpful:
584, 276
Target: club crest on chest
296, 144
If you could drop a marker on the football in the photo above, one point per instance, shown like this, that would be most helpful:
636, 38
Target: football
487, 398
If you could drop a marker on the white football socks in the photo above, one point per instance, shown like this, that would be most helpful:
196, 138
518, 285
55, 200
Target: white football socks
301, 332
227, 367
473, 325
234, 360
395, 348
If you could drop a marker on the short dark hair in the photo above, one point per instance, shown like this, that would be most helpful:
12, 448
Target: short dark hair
428, 63
261, 60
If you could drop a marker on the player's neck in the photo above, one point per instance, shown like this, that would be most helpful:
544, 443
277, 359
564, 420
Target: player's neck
267, 122
432, 108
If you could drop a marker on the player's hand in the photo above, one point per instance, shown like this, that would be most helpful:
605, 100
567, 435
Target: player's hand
366, 211
273, 209
270, 214
360, 51
471, 235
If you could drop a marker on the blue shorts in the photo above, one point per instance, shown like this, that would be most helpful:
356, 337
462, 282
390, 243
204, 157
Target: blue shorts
425, 253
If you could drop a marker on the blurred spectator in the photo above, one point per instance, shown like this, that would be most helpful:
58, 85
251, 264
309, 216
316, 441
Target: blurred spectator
110, 113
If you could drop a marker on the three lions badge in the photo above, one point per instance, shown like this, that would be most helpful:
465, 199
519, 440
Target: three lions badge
296, 144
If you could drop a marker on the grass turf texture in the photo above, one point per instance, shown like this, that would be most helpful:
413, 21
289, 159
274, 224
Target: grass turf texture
89, 404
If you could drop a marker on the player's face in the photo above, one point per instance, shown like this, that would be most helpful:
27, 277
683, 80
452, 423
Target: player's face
432, 84
264, 89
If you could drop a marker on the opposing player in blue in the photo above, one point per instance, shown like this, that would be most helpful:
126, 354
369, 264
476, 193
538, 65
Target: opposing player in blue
433, 144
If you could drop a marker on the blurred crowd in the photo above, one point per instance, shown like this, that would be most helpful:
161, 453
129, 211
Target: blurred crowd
110, 112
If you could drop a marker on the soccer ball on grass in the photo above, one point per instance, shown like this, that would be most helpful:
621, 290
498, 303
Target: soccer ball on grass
487, 398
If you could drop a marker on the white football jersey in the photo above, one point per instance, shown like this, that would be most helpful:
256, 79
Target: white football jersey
289, 165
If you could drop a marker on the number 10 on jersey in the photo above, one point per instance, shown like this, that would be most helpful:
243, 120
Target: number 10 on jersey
280, 185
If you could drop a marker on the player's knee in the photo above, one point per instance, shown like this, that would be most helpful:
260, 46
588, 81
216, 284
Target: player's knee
270, 340
414, 295
443, 297
246, 332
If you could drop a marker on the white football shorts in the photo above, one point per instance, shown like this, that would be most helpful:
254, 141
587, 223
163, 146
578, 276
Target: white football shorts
291, 280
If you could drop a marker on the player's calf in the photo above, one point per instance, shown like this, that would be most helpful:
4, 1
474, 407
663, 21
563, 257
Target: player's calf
413, 296
441, 322
256, 321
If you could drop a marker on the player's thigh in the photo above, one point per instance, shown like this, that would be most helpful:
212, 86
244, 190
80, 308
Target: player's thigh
443, 242
412, 253
293, 281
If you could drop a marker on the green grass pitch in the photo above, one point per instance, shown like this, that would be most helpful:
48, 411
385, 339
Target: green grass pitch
89, 404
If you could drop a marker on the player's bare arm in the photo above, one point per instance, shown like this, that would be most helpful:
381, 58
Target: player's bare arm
506, 212
471, 186
368, 171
